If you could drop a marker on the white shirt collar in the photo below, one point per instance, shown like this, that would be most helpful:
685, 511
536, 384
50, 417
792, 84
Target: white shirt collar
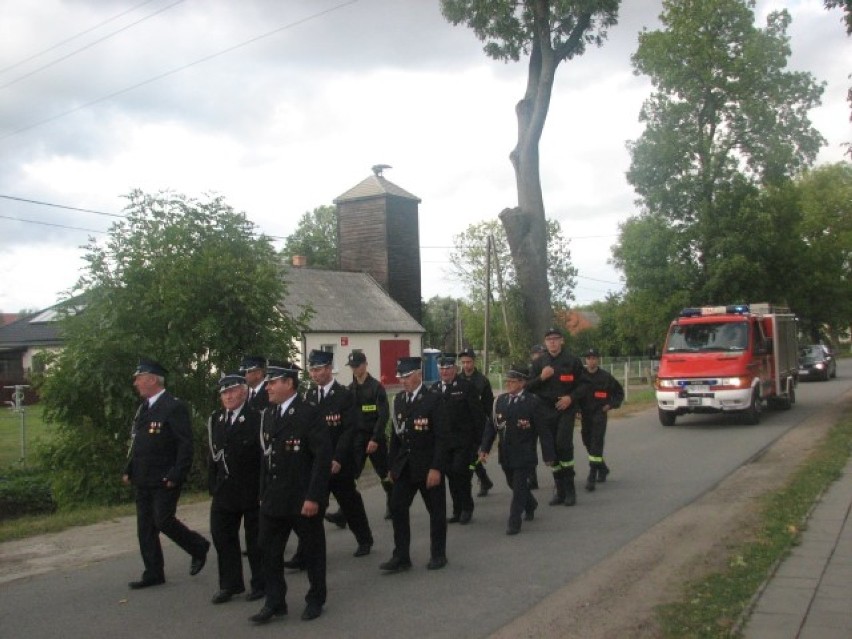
154, 398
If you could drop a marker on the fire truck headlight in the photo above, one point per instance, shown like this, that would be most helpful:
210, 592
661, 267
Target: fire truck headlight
666, 383
730, 381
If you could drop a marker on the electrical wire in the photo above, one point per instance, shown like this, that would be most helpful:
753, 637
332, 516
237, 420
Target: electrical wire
166, 74
61, 226
58, 206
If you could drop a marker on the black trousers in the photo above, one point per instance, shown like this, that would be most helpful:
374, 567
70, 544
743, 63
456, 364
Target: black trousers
522, 498
561, 425
274, 533
379, 459
225, 529
435, 500
593, 433
155, 514
459, 477
342, 486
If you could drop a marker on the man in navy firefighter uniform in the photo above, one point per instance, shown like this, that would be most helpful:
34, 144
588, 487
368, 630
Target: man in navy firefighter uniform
464, 420
417, 457
233, 435
293, 491
558, 379
604, 394
253, 368
158, 463
519, 421
468, 371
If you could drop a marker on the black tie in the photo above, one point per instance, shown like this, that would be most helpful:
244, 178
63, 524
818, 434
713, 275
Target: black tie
410, 397
321, 393
253, 394
230, 418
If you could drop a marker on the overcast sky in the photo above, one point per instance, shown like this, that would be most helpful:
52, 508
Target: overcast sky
281, 106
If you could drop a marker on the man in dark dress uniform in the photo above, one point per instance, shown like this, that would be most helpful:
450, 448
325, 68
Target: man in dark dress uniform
158, 463
519, 422
467, 360
604, 394
417, 456
293, 491
233, 434
337, 407
253, 368
370, 440
559, 380
464, 420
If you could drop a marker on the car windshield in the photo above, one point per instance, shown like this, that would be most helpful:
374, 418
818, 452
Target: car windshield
720, 336
812, 353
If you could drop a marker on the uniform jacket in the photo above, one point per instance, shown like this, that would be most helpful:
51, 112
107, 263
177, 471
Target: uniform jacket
483, 389
372, 401
518, 424
603, 389
461, 412
569, 378
161, 443
340, 414
233, 465
418, 441
261, 399
296, 462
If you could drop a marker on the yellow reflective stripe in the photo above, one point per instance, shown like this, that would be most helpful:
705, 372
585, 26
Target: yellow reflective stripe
369, 408
562, 464
595, 459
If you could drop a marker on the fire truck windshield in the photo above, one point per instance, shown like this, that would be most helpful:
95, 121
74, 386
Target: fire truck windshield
721, 336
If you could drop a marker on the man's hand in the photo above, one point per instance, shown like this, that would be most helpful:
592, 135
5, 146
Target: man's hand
372, 447
563, 402
335, 467
125, 479
547, 372
433, 478
483, 457
310, 509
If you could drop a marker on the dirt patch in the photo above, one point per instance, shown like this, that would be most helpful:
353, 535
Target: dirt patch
618, 597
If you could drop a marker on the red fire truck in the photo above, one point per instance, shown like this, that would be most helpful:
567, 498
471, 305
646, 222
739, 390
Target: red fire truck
736, 358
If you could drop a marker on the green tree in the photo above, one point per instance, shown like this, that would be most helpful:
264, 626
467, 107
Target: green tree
726, 126
439, 320
548, 32
188, 283
315, 238
823, 297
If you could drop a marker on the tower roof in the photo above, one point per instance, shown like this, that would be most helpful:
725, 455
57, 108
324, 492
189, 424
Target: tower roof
374, 186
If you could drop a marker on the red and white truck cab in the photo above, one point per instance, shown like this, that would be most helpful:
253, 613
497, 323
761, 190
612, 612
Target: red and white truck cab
735, 358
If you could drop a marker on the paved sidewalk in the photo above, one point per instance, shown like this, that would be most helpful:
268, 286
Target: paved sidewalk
810, 595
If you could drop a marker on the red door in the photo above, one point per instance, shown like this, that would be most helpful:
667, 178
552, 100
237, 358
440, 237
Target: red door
391, 350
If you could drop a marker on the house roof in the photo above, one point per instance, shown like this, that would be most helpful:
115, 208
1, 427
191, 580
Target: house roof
374, 186
38, 329
345, 302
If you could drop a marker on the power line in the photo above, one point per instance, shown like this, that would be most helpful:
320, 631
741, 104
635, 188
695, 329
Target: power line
58, 206
73, 37
88, 46
61, 226
179, 69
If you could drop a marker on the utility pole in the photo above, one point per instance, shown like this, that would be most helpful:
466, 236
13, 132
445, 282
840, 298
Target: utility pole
487, 306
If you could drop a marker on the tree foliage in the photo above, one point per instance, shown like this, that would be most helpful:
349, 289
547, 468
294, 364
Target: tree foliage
186, 282
315, 238
548, 32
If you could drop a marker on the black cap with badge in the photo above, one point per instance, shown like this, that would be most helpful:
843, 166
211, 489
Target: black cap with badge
405, 366
276, 369
447, 360
229, 380
356, 358
518, 372
318, 359
252, 362
149, 367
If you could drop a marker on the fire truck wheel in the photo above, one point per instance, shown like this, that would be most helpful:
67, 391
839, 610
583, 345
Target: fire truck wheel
667, 417
752, 413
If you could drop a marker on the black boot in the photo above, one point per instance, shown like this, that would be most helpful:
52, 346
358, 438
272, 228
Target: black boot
590, 480
570, 491
603, 471
338, 518
485, 484
559, 488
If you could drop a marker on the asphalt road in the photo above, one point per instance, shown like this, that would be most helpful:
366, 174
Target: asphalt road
490, 579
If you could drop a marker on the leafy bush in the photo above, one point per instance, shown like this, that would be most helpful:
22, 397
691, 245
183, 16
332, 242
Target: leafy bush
25, 492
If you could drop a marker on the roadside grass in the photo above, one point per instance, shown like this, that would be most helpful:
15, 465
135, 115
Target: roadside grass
713, 606
35, 430
31, 525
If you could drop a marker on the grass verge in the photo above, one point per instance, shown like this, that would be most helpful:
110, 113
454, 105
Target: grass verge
712, 606
28, 526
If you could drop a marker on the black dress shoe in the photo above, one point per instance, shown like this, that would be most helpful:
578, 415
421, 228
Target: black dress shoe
513, 528
363, 550
338, 519
395, 564
146, 583
199, 560
484, 487
296, 563
312, 611
465, 517
529, 513
225, 595
267, 612
436, 563
456, 518
602, 473
255, 594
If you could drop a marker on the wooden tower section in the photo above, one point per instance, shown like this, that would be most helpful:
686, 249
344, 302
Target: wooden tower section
377, 233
